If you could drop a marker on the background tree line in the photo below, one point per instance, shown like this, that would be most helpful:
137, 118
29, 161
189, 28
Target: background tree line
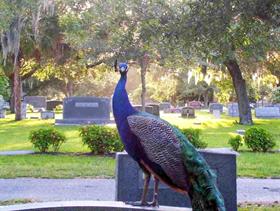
182, 50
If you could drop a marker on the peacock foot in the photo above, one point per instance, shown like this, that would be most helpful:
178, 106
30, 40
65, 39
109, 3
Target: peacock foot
142, 204
153, 204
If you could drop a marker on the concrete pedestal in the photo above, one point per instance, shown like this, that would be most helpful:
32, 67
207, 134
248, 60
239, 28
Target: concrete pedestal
129, 179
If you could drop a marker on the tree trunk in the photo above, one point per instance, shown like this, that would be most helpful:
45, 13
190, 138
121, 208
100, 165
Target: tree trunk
245, 115
206, 99
69, 88
143, 65
17, 93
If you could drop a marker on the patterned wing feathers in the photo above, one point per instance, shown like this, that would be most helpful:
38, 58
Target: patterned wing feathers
161, 146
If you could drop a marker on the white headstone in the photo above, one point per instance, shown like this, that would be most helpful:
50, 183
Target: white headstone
217, 114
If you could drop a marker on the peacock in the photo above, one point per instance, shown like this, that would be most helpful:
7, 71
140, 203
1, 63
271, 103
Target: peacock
163, 152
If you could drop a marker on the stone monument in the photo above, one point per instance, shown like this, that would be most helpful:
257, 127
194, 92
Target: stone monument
164, 106
129, 179
233, 109
47, 115
3, 107
38, 102
195, 104
216, 106
23, 110
188, 112
267, 112
148, 108
51, 104
217, 114
85, 110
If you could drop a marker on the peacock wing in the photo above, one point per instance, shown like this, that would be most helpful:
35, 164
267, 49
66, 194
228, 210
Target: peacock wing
169, 148
161, 145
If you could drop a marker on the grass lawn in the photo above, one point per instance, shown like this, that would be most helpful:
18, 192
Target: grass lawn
51, 166
259, 209
216, 132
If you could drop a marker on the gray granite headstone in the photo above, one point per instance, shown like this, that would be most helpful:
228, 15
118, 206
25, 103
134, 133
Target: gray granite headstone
2, 111
3, 107
164, 106
155, 108
38, 102
85, 110
216, 106
217, 113
23, 110
47, 115
233, 110
129, 179
51, 104
195, 104
148, 109
267, 112
188, 112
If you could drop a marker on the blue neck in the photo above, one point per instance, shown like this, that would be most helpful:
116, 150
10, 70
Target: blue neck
121, 105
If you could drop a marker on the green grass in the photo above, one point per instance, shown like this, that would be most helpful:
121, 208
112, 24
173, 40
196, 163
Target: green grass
62, 166
16, 201
260, 208
216, 132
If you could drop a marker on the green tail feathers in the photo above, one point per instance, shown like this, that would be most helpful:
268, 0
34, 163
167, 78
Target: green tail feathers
203, 191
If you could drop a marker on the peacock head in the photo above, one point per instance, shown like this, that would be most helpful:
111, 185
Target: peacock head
123, 68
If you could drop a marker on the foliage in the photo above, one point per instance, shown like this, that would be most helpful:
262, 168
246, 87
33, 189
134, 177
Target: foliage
42, 139
259, 139
235, 142
58, 108
194, 136
276, 95
5, 90
101, 139
30, 108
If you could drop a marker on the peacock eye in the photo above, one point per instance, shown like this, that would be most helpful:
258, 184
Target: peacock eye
122, 69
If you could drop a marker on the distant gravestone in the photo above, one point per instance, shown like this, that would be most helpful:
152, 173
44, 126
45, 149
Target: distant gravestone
47, 115
188, 112
23, 110
195, 104
148, 108
2, 109
51, 104
215, 106
85, 110
267, 112
164, 105
38, 102
155, 108
277, 105
217, 114
233, 110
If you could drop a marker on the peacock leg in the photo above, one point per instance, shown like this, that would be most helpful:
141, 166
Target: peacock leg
144, 193
154, 203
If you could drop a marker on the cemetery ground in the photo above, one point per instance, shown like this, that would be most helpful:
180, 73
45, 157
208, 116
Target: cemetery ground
74, 160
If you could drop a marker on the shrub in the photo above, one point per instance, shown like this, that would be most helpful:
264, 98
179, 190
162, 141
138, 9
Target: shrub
235, 142
258, 139
193, 136
43, 139
59, 108
30, 108
276, 95
101, 139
